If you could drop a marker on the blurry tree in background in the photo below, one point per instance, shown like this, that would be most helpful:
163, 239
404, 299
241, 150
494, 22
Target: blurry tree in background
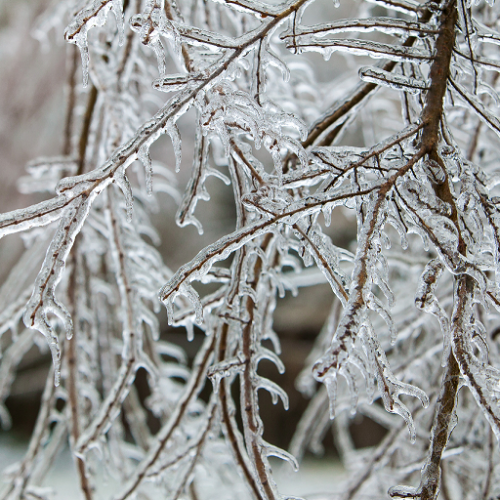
401, 138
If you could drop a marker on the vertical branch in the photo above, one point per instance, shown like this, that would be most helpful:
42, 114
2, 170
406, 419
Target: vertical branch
489, 472
252, 463
71, 101
72, 367
84, 134
249, 404
446, 403
441, 429
227, 415
110, 407
439, 74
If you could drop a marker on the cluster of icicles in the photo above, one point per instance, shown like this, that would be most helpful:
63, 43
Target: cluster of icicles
415, 297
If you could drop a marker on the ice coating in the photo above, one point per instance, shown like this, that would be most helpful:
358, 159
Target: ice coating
43, 300
391, 388
384, 200
426, 299
93, 14
391, 80
376, 50
173, 131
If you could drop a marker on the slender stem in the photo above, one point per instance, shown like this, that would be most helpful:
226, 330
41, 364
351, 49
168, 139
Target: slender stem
229, 425
71, 380
249, 405
71, 99
341, 110
196, 381
441, 429
84, 134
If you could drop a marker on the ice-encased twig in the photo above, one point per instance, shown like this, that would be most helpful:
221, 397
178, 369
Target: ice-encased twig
24, 470
194, 385
483, 380
131, 355
94, 13
43, 301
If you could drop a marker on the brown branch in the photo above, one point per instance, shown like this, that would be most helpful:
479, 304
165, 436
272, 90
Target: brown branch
84, 134
71, 99
446, 403
198, 376
248, 393
348, 104
71, 34
228, 422
71, 380
441, 429
438, 76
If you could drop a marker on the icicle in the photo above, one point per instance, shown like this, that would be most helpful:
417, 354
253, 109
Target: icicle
274, 451
82, 44
172, 350
380, 278
145, 159
160, 56
327, 214
376, 305
330, 382
117, 9
224, 369
272, 59
275, 390
148, 317
5, 419
390, 388
194, 299
194, 192
190, 293
188, 324
264, 353
173, 132
123, 183
43, 301
91, 15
